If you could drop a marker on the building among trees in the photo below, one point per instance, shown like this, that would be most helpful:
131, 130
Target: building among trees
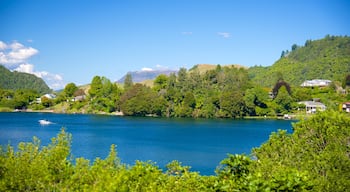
316, 83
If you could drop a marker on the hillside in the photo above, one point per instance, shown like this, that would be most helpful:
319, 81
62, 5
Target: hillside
327, 58
16, 80
202, 68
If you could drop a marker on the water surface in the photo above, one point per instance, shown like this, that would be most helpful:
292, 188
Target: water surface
199, 143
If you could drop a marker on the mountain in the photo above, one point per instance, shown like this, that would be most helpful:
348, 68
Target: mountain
327, 58
17, 80
139, 76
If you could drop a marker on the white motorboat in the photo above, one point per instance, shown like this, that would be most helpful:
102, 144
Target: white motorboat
44, 122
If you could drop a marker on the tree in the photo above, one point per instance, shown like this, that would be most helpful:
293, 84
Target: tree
139, 100
284, 100
294, 47
69, 89
128, 81
160, 82
232, 104
46, 102
280, 83
317, 147
182, 79
95, 86
346, 82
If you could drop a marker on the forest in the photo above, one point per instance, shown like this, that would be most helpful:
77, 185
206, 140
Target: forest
24, 81
315, 157
326, 58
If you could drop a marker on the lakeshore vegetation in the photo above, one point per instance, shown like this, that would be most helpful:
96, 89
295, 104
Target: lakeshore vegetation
210, 92
315, 157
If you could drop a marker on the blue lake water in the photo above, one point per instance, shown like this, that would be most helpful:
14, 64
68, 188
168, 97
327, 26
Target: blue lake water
199, 143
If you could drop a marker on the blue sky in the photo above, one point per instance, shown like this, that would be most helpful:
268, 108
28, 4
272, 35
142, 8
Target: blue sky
66, 41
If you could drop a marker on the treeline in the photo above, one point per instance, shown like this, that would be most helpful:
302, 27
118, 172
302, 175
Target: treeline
17, 99
313, 158
21, 81
224, 92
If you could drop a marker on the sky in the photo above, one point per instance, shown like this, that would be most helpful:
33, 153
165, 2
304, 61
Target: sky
71, 41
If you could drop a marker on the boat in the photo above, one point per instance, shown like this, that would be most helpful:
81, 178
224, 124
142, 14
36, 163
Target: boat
44, 122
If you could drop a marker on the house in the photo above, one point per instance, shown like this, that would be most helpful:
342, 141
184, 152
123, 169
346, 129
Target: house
79, 98
346, 107
312, 107
47, 95
316, 83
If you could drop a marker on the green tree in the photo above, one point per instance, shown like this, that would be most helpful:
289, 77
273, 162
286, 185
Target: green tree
139, 100
283, 100
95, 86
128, 83
69, 89
318, 147
232, 104
161, 82
346, 82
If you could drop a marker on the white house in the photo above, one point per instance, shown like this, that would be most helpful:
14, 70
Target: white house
346, 107
312, 107
316, 83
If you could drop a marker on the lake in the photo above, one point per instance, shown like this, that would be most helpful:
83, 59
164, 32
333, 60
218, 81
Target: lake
199, 143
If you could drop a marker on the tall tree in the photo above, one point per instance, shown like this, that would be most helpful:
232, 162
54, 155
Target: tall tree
95, 86
128, 81
69, 89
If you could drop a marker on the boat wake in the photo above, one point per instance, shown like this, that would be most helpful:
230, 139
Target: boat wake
45, 122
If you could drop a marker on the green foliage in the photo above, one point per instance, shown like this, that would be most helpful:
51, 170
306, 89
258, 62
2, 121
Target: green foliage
104, 95
128, 81
140, 100
19, 99
327, 58
16, 81
318, 147
70, 89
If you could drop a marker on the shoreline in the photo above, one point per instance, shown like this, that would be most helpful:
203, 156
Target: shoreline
288, 117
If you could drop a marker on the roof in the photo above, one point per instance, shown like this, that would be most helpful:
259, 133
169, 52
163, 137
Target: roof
316, 82
312, 104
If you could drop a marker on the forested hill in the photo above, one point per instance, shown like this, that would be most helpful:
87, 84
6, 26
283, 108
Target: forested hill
16, 80
327, 58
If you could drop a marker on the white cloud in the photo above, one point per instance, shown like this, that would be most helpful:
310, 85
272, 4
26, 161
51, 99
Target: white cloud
146, 69
15, 56
2, 45
15, 46
161, 67
225, 35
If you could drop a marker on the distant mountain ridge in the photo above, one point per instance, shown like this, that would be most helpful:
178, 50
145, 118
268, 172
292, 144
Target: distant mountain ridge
17, 80
140, 76
327, 58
